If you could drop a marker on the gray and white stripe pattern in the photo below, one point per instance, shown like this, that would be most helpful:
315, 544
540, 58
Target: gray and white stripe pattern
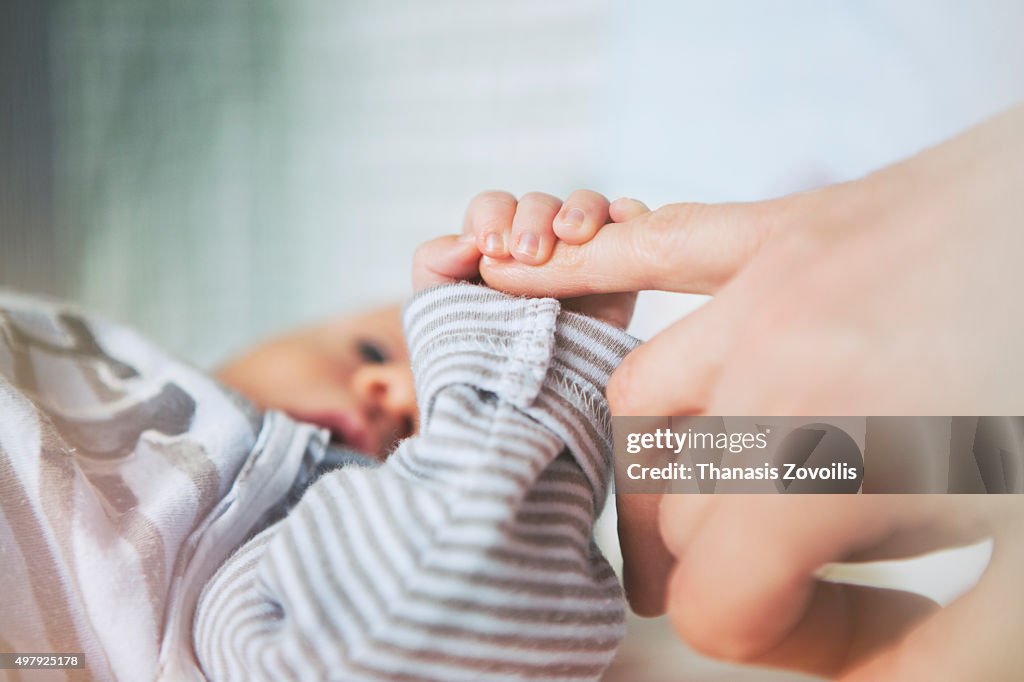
469, 554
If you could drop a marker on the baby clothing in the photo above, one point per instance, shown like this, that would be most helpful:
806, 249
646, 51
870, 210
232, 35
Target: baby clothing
177, 550
126, 479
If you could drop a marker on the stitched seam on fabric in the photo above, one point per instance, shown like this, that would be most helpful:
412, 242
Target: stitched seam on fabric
586, 395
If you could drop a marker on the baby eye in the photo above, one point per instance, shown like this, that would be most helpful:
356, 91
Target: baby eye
372, 353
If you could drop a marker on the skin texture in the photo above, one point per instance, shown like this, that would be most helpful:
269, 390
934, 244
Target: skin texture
350, 375
898, 293
741, 586
497, 218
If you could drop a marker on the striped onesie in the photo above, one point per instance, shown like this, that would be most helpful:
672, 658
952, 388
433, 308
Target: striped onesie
167, 544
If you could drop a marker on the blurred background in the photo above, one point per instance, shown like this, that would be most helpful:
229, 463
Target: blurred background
214, 172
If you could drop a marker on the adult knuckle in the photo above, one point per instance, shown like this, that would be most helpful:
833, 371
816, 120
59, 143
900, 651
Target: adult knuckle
707, 640
703, 630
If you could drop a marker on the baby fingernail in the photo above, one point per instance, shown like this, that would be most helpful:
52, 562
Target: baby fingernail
573, 218
494, 243
528, 245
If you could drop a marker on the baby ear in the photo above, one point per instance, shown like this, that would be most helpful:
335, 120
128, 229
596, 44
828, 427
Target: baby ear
448, 259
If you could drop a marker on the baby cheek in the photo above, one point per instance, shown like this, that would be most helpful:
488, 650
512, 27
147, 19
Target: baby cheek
303, 383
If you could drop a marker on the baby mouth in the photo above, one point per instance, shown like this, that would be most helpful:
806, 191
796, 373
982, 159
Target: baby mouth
353, 431
345, 429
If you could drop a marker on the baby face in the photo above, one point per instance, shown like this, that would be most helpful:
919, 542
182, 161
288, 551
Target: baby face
350, 375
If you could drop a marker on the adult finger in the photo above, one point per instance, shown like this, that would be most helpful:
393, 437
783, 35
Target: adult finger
616, 309
744, 586
692, 248
533, 235
675, 371
646, 562
976, 637
489, 217
581, 216
647, 556
444, 260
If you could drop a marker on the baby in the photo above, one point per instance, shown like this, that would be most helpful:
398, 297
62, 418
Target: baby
352, 376
167, 528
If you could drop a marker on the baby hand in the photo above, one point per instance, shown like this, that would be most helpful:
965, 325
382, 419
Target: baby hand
526, 232
500, 227
445, 260
515, 236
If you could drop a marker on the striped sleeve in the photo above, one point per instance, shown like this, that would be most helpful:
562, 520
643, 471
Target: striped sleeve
469, 554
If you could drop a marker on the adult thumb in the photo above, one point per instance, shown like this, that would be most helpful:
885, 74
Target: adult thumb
675, 372
693, 248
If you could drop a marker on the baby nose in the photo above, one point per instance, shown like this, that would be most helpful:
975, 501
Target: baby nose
389, 388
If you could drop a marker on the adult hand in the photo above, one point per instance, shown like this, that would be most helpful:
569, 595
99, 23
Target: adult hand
742, 584
898, 293
894, 294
